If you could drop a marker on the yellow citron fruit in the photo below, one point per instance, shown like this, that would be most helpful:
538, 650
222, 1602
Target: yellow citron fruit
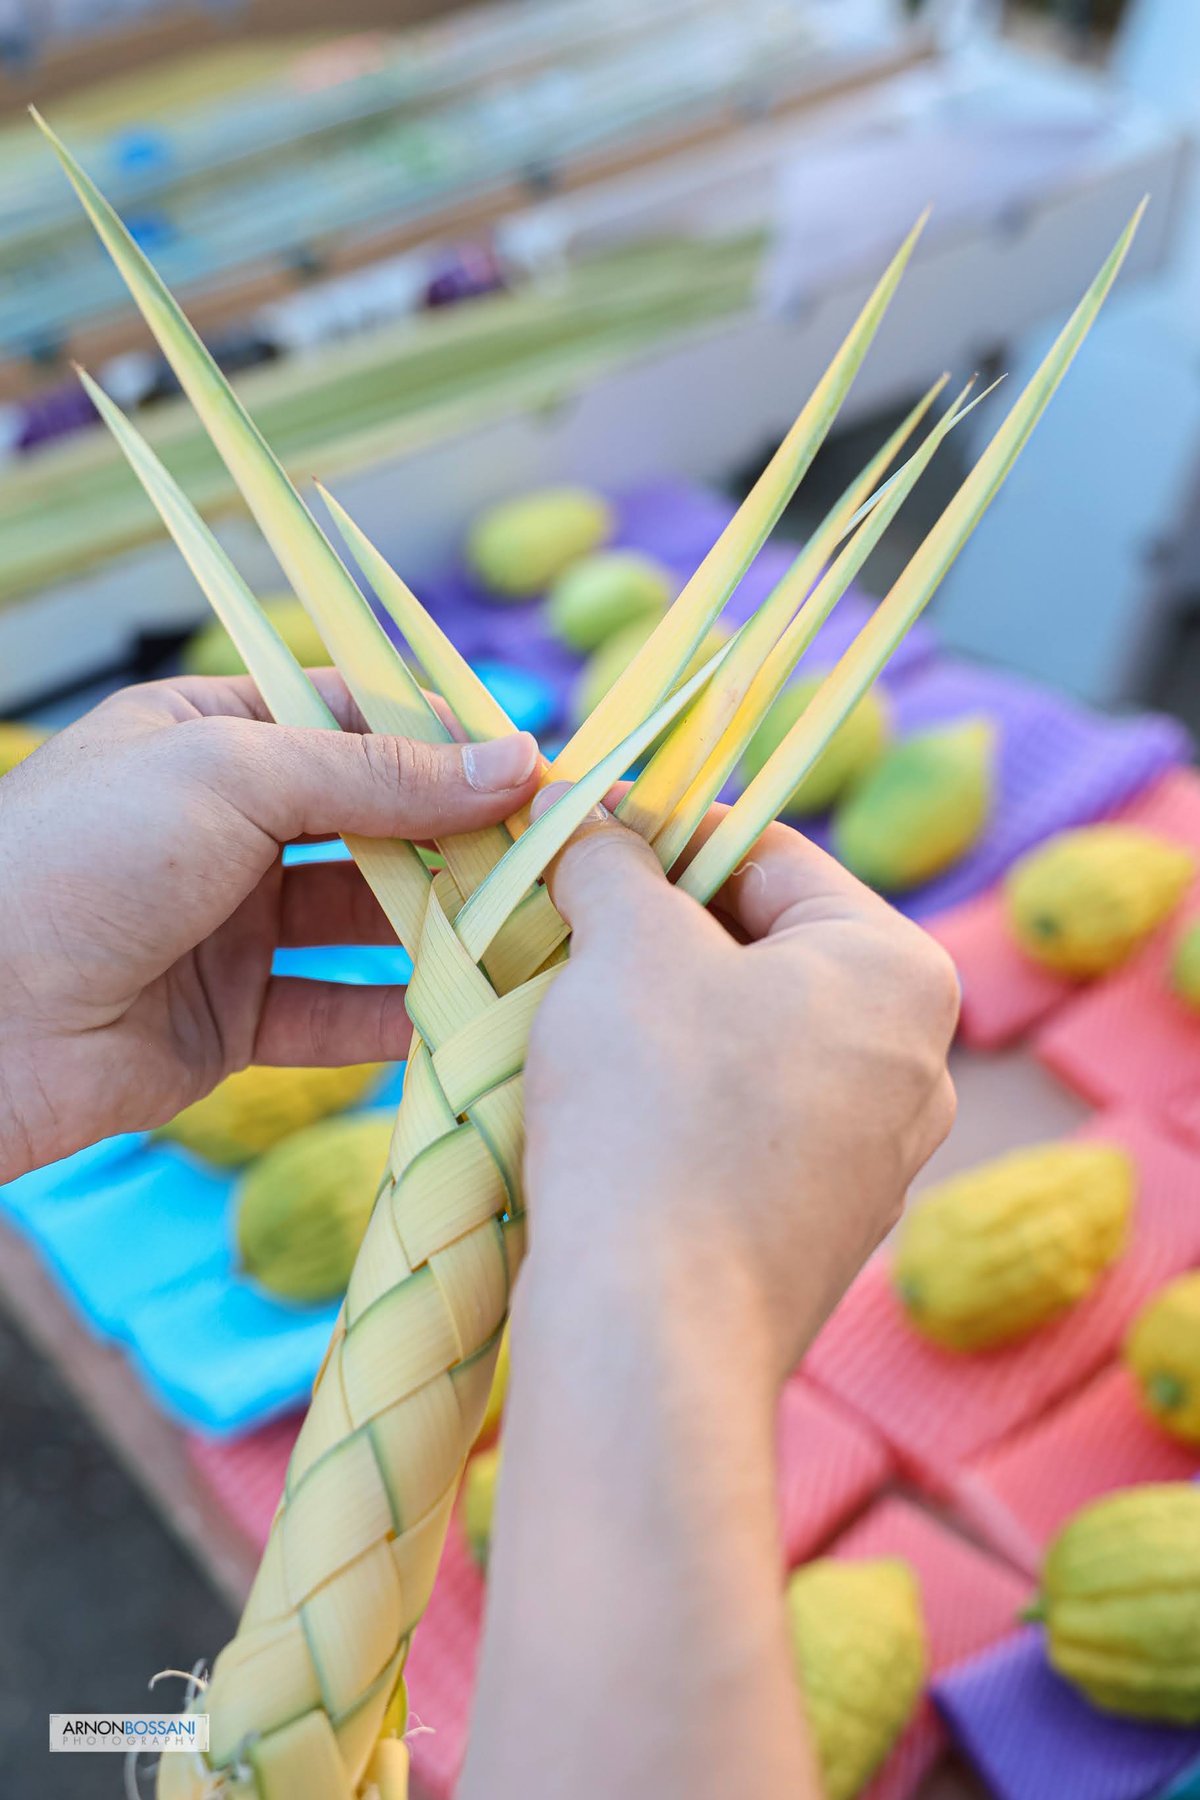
479, 1501
17, 742
303, 1208
854, 748
604, 593
1185, 966
213, 652
249, 1112
859, 1647
615, 655
919, 809
1120, 1599
992, 1254
1163, 1352
518, 548
1084, 901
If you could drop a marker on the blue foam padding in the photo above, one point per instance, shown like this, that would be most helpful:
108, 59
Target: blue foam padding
331, 850
138, 1233
220, 1355
77, 1175
158, 1220
359, 965
530, 701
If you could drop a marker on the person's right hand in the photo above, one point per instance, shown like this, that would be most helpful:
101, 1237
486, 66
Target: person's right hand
734, 1108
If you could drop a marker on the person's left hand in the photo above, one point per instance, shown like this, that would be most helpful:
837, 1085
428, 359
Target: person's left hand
142, 896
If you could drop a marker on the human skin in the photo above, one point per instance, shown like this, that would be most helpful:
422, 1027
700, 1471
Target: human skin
719, 1133
724, 1110
143, 896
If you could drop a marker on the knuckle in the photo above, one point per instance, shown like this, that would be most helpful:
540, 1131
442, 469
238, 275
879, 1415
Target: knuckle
402, 762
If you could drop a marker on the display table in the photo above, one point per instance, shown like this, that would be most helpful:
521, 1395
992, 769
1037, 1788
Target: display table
1004, 1101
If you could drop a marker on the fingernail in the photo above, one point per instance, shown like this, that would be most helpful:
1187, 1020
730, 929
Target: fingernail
500, 763
546, 797
555, 791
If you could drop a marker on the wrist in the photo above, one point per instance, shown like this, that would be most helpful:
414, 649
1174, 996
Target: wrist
641, 1316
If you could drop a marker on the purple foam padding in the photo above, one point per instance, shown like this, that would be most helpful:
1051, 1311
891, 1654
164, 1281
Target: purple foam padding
1059, 765
1032, 1737
674, 521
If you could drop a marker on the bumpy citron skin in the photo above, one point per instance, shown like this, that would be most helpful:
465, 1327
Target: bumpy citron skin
17, 742
852, 751
213, 652
249, 1112
1185, 966
1121, 1599
479, 1501
1082, 903
615, 655
919, 809
1163, 1353
604, 593
302, 1209
517, 549
992, 1254
861, 1658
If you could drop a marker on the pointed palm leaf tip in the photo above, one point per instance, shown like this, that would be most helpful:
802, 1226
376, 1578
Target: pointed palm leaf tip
763, 798
389, 697
667, 651
281, 681
394, 871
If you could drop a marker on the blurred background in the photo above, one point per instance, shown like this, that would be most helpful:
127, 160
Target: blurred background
454, 254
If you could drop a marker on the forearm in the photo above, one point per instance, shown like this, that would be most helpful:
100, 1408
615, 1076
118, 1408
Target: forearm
635, 1642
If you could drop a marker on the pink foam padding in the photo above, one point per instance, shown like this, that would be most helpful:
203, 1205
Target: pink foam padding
1129, 1039
245, 1475
969, 1601
940, 1410
1022, 1492
829, 1466
1004, 994
440, 1672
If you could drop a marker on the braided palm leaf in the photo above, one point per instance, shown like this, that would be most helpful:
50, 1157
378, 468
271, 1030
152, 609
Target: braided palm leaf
307, 1701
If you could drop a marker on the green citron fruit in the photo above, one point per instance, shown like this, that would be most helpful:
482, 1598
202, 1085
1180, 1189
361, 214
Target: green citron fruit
854, 748
213, 652
602, 594
860, 1655
1082, 902
994, 1253
479, 1501
17, 742
249, 1112
303, 1208
1162, 1352
1185, 966
611, 660
517, 549
919, 809
1120, 1600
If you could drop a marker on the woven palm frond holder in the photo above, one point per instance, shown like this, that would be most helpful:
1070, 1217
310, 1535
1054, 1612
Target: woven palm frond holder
307, 1702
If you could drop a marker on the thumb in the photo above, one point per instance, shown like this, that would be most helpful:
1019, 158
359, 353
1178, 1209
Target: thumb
293, 781
607, 881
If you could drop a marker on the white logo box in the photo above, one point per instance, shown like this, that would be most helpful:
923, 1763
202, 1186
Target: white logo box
120, 1733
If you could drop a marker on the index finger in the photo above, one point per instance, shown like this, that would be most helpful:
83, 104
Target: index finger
238, 696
